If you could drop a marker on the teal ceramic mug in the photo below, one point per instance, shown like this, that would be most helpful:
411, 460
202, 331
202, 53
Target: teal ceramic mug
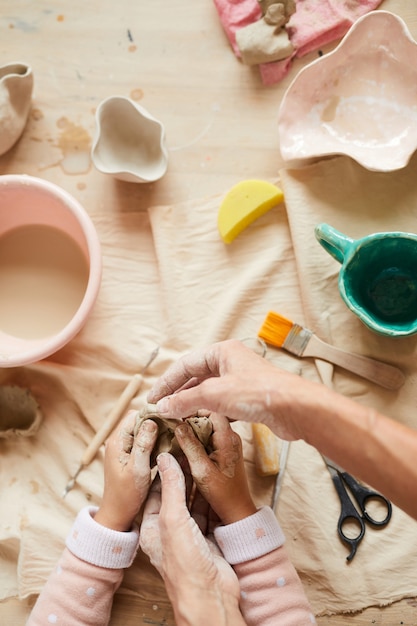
378, 277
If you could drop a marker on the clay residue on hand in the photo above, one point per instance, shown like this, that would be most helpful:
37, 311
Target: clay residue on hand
166, 441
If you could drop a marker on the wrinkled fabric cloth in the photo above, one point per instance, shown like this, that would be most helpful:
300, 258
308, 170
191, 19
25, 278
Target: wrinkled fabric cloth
259, 272
313, 25
357, 202
185, 289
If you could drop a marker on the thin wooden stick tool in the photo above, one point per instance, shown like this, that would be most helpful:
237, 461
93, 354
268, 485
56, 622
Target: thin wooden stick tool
111, 421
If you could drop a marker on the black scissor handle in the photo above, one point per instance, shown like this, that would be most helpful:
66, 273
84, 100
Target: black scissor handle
348, 514
364, 495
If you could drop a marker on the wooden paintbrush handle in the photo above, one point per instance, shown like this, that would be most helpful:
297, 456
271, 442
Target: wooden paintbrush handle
378, 372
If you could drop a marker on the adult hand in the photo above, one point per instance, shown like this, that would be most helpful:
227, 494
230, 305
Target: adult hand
230, 379
127, 474
201, 585
220, 477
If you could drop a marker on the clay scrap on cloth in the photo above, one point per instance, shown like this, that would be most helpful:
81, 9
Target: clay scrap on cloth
357, 202
20, 414
312, 26
166, 441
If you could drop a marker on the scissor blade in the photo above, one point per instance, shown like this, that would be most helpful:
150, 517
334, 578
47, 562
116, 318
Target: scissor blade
333, 465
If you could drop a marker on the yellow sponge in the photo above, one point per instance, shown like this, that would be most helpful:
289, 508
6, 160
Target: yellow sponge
243, 204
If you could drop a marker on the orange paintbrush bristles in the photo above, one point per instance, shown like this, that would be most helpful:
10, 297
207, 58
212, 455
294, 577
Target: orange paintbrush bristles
275, 329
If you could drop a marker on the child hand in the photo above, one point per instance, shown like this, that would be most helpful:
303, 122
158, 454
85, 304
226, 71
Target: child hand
220, 477
127, 473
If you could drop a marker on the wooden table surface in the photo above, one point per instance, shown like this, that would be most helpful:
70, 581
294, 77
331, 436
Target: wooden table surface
221, 124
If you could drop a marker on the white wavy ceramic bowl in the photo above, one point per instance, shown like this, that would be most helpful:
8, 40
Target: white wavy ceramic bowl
129, 143
359, 100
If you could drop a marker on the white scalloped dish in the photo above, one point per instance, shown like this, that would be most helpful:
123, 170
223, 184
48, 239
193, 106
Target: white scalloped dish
359, 100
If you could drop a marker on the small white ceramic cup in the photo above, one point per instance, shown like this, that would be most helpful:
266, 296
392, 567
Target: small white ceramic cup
50, 269
129, 143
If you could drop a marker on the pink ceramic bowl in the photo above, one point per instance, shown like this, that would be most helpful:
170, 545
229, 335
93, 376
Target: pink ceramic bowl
50, 269
359, 100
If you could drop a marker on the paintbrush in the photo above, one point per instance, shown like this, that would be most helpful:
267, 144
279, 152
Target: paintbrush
110, 422
282, 333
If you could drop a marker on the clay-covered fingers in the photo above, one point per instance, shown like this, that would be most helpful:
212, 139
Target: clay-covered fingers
226, 444
173, 489
187, 372
127, 473
226, 377
226, 449
150, 536
165, 510
220, 476
120, 441
143, 445
199, 462
188, 381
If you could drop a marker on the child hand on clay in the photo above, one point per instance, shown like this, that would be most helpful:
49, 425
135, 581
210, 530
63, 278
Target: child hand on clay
204, 588
103, 541
250, 540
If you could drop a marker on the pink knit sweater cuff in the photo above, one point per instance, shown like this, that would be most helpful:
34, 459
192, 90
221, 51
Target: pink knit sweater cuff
251, 537
101, 546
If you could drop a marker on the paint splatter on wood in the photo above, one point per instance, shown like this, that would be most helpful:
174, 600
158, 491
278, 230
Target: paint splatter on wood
75, 143
136, 94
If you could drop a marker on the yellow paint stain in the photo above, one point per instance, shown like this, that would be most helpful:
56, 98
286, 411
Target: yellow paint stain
132, 48
35, 486
136, 94
75, 143
36, 114
60, 18
24, 522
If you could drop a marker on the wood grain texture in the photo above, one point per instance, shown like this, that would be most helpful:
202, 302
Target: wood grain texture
221, 124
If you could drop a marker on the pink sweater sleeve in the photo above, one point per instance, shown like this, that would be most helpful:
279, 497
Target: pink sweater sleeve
271, 591
79, 591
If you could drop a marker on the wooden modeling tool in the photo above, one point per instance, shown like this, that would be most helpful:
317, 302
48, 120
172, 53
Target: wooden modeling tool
269, 460
243, 204
282, 333
111, 421
266, 450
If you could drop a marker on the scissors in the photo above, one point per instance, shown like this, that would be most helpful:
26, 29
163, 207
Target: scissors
356, 514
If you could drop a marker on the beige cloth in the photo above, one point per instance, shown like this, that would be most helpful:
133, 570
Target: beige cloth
357, 202
170, 280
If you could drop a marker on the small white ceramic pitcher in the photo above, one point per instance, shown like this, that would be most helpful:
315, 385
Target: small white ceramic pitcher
16, 86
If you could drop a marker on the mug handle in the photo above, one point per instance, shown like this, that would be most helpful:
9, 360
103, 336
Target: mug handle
334, 242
